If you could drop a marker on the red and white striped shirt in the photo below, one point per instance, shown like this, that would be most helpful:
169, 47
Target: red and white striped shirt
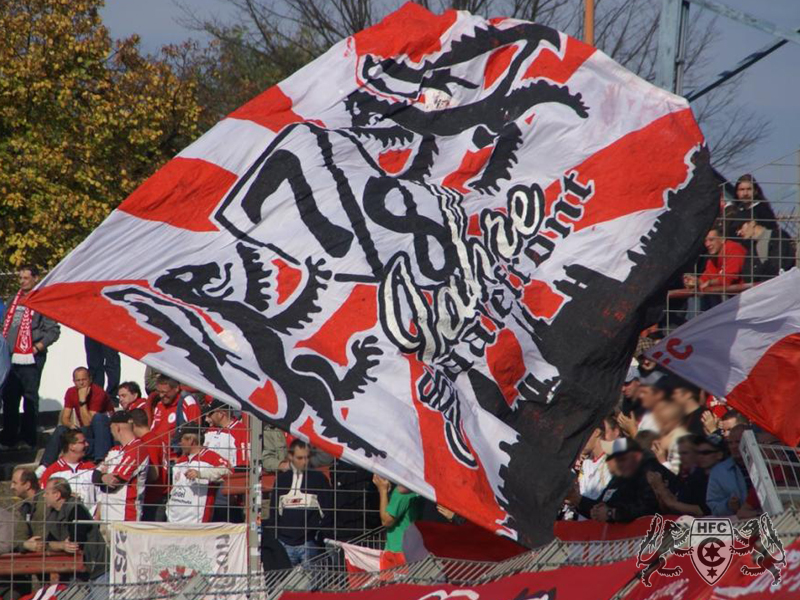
231, 442
79, 477
129, 463
192, 500
165, 418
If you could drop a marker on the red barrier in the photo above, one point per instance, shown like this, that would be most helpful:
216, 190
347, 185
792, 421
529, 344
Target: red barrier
595, 531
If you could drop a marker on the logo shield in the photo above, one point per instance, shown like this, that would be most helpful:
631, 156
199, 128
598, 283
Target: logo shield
711, 541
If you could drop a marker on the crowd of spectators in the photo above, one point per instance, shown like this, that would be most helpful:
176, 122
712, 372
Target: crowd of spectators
669, 448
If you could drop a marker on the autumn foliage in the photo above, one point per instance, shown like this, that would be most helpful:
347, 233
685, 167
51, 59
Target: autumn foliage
83, 122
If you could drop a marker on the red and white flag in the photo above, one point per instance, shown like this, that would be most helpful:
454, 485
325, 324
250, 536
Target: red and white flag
746, 350
429, 252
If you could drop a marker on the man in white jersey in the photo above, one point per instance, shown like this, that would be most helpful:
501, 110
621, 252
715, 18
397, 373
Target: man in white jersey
123, 474
195, 479
72, 467
227, 435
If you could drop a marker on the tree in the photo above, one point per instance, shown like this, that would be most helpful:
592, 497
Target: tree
82, 123
280, 36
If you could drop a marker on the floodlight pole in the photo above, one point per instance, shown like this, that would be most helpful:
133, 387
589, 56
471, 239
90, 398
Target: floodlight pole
671, 45
588, 22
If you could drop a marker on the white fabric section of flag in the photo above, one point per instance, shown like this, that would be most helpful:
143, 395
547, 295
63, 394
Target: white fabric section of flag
152, 552
717, 349
359, 558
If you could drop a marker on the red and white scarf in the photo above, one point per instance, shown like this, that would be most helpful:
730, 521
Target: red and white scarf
23, 345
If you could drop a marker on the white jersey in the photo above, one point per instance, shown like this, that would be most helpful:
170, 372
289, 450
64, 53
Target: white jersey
129, 463
192, 501
79, 477
594, 477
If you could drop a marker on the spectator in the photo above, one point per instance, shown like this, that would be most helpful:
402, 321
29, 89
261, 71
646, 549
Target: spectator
69, 528
150, 379
652, 390
669, 417
629, 495
691, 496
687, 396
723, 268
273, 449
772, 252
130, 398
72, 467
195, 479
29, 335
103, 363
631, 406
301, 505
86, 407
398, 512
228, 436
731, 419
29, 527
594, 476
727, 485
123, 474
157, 448
174, 408
750, 196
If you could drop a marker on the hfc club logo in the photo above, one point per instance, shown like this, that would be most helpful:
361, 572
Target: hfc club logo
711, 541
712, 545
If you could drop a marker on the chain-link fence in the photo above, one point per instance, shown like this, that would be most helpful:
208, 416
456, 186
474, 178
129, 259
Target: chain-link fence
755, 238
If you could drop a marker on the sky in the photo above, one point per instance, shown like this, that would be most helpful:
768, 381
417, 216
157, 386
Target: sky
771, 88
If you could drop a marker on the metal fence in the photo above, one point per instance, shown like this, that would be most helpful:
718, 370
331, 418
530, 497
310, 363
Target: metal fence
756, 236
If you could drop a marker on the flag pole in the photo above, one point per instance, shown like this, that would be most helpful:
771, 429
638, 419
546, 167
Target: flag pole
588, 22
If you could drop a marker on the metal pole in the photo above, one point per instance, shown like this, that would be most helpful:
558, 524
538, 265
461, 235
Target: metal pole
254, 506
588, 22
797, 220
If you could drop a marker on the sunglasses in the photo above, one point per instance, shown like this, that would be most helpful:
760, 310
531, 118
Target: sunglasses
707, 452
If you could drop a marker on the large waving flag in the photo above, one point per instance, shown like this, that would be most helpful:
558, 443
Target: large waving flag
746, 350
429, 252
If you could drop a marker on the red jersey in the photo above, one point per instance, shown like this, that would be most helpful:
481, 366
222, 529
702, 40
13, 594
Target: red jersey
129, 463
97, 401
156, 445
726, 267
232, 442
144, 405
165, 418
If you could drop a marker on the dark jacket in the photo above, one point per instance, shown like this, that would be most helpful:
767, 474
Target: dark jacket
632, 497
29, 517
780, 257
295, 526
43, 329
74, 522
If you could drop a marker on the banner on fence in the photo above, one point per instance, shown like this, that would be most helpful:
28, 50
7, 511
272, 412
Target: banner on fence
147, 552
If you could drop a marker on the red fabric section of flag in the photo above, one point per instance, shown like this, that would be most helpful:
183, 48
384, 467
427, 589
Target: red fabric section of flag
265, 398
506, 363
497, 64
393, 161
456, 485
183, 193
768, 396
632, 173
271, 109
288, 279
412, 30
540, 300
466, 542
358, 313
558, 70
308, 430
70, 303
471, 165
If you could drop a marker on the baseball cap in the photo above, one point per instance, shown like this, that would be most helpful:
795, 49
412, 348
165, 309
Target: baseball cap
633, 372
619, 446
